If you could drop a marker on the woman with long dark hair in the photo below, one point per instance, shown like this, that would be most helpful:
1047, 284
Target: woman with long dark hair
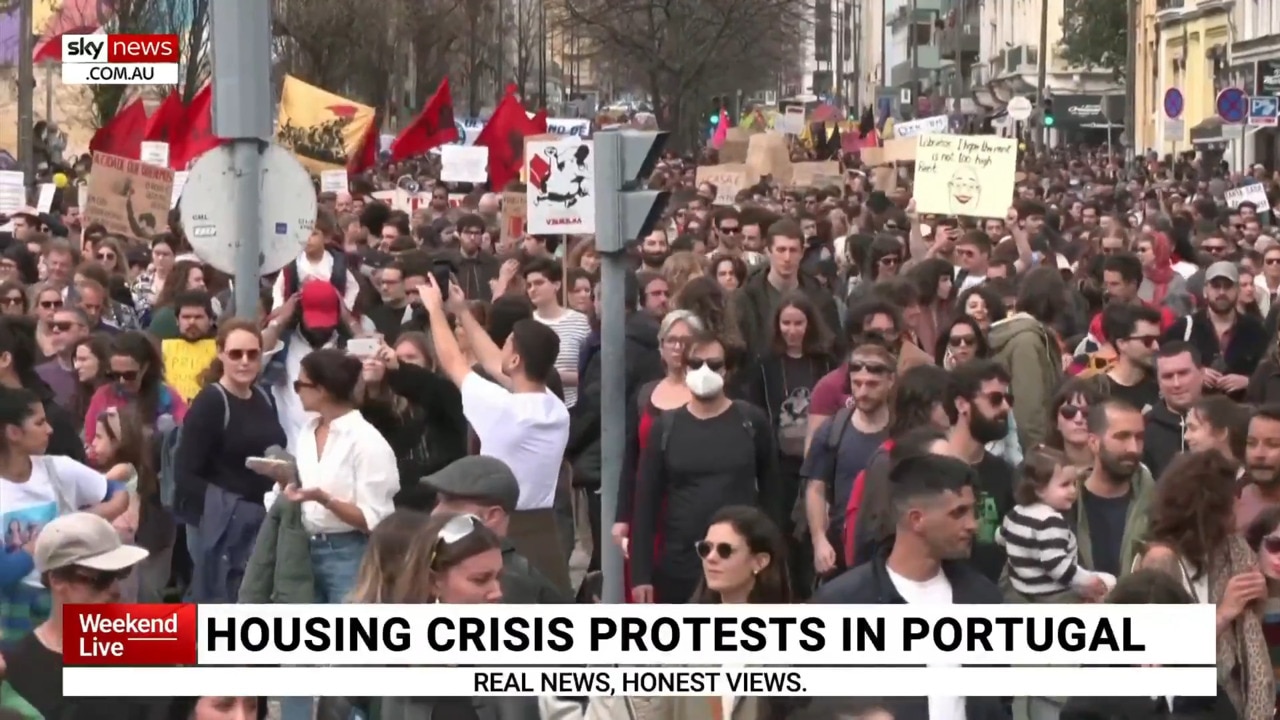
89, 361
1068, 421
186, 275
933, 277
135, 373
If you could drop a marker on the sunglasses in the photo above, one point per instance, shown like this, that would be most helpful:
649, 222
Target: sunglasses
716, 364
99, 580
962, 340
300, 385
873, 368
107, 257
1070, 412
126, 376
1272, 261
998, 398
454, 530
889, 260
1147, 340
730, 230
50, 304
723, 550
12, 301
238, 354
1271, 544
62, 326
1214, 249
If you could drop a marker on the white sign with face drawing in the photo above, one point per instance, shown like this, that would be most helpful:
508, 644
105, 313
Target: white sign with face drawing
561, 191
969, 175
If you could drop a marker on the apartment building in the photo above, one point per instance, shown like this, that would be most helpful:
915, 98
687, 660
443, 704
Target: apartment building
828, 59
1088, 102
1255, 58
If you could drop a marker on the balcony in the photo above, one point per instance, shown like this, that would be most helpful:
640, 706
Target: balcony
1162, 5
926, 11
964, 38
928, 61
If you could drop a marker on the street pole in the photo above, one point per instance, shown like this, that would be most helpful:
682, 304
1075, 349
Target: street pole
26, 94
1130, 143
1042, 92
914, 48
240, 35
613, 355
48, 92
957, 87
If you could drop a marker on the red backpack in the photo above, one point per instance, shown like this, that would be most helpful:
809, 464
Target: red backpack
855, 504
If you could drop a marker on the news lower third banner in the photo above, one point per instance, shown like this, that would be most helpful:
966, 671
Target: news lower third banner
635, 650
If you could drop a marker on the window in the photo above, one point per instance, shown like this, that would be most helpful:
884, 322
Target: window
923, 34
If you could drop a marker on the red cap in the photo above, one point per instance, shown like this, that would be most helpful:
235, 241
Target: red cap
321, 306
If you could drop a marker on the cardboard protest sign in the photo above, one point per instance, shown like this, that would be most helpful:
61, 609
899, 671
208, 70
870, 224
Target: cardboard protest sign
514, 204
729, 180
734, 149
185, 362
965, 175
1255, 193
767, 154
128, 197
872, 156
816, 174
900, 150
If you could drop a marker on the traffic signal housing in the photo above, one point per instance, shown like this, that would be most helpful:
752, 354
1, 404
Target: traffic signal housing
626, 209
1047, 113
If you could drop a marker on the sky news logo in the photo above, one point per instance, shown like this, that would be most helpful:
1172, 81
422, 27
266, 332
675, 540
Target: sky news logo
116, 59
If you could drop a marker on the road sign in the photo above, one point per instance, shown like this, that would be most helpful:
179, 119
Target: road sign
1263, 111
1019, 108
904, 97
1173, 104
288, 209
1174, 129
1232, 105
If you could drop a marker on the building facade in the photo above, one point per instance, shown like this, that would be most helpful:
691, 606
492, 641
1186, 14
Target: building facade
1255, 59
1193, 39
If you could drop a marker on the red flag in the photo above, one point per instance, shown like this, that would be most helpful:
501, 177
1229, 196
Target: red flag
504, 135
367, 157
50, 49
540, 121
433, 127
194, 135
167, 121
122, 135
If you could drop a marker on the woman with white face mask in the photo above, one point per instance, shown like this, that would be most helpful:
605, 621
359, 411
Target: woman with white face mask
711, 453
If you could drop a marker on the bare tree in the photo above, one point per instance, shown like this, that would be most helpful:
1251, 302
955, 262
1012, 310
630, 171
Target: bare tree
120, 16
684, 51
526, 21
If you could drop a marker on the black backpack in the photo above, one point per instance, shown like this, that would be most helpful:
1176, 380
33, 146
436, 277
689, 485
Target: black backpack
667, 420
337, 276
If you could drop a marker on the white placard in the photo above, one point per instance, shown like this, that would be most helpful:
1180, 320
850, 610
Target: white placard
179, 182
13, 191
792, 122
464, 163
155, 153
334, 181
561, 191
935, 125
1255, 193
44, 202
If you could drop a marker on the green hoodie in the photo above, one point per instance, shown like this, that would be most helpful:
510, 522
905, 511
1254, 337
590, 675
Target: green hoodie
1030, 353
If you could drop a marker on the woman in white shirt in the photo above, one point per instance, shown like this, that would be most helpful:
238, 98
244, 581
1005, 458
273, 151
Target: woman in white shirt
346, 472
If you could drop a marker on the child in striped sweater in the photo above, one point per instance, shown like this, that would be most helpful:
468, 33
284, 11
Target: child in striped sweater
1042, 550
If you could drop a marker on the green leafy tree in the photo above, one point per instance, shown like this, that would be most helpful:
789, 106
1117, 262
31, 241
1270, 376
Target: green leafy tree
1095, 34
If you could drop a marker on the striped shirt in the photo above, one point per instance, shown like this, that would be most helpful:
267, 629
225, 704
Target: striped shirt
1042, 550
573, 328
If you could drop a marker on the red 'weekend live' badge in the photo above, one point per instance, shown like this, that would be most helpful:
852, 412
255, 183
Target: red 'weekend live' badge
129, 634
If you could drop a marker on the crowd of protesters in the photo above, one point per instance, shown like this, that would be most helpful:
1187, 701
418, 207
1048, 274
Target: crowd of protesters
831, 398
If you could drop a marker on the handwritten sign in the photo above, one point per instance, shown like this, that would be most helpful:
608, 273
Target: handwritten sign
13, 191
925, 126
767, 154
816, 174
1255, 193
129, 197
514, 206
965, 174
185, 362
155, 153
334, 181
179, 182
44, 202
464, 163
900, 150
729, 180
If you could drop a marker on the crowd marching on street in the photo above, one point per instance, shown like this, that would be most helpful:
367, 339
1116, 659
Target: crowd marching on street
835, 394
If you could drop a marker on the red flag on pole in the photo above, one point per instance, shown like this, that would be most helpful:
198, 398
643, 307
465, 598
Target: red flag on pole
194, 136
167, 121
433, 127
367, 157
504, 135
50, 49
122, 134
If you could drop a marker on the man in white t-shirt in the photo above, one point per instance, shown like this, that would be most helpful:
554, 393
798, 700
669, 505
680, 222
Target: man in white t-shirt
543, 278
517, 419
927, 562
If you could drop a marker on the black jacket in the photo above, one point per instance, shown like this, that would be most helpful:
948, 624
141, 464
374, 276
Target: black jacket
1166, 437
523, 584
755, 311
643, 364
870, 584
1246, 349
475, 273
64, 438
428, 436
1140, 708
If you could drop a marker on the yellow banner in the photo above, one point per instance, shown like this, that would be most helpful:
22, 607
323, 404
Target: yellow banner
322, 129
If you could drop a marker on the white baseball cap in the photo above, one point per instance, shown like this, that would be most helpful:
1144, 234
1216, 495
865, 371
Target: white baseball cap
84, 540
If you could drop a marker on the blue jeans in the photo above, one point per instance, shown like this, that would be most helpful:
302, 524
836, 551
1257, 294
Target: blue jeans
335, 560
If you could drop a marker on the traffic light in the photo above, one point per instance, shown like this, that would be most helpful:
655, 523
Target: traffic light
717, 105
1047, 113
625, 211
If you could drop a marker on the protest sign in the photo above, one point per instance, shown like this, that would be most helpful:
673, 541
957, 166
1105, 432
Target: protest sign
1255, 193
734, 148
767, 154
900, 150
816, 174
965, 174
729, 180
155, 153
925, 126
334, 181
185, 362
561, 192
44, 201
464, 163
129, 197
13, 191
513, 215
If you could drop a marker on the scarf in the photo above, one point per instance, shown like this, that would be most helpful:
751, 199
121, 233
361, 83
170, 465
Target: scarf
1244, 663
